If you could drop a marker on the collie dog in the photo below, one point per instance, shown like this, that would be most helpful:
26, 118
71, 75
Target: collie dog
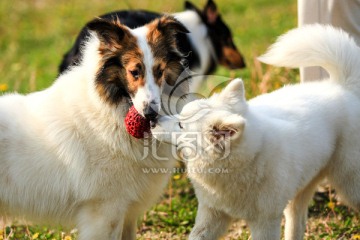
272, 151
208, 44
65, 155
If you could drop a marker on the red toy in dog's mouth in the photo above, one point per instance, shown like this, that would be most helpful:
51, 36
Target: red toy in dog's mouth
136, 125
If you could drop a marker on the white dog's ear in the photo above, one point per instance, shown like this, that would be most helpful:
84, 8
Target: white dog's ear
231, 127
234, 95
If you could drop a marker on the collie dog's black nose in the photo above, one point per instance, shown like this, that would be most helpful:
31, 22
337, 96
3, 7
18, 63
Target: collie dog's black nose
150, 113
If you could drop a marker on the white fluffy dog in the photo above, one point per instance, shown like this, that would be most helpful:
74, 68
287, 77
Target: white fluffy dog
281, 144
65, 156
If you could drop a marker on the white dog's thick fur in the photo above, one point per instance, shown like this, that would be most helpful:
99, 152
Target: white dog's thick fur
282, 143
66, 158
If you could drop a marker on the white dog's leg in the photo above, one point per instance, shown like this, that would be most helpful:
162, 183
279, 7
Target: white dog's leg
129, 229
347, 184
344, 174
296, 213
210, 224
99, 221
266, 229
100, 229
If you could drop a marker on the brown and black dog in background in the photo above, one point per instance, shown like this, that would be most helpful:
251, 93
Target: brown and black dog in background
208, 44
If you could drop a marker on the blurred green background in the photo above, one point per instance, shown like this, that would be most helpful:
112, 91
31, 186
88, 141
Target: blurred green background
34, 34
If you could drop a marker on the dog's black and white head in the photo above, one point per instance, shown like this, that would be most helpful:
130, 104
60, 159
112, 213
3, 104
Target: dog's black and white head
136, 63
210, 42
226, 52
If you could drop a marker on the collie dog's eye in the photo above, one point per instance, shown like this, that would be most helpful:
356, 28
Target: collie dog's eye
160, 73
180, 125
135, 73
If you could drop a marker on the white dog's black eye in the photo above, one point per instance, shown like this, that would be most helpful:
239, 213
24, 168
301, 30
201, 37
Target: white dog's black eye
180, 125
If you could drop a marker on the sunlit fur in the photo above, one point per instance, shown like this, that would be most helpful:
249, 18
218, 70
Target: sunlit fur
282, 144
65, 155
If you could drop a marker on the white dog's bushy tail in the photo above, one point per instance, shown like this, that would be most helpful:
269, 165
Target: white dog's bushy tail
319, 45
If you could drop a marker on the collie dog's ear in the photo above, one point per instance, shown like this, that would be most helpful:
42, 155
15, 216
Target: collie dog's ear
210, 12
190, 6
110, 33
169, 25
165, 34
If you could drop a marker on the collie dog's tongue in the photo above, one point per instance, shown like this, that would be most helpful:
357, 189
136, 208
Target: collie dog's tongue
136, 125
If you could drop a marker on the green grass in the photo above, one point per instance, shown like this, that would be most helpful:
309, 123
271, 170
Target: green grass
34, 34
